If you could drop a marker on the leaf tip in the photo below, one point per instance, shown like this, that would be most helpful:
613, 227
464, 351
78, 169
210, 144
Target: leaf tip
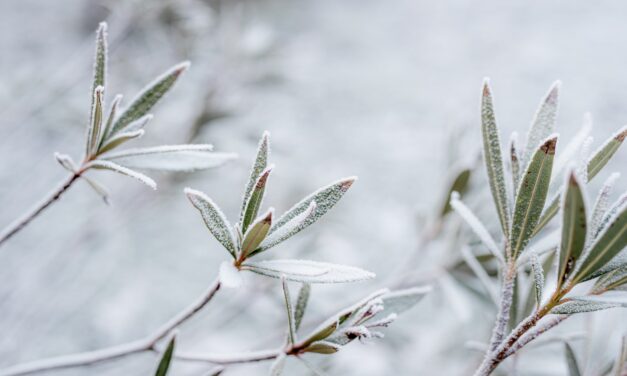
487, 92
346, 183
622, 134
549, 145
180, 68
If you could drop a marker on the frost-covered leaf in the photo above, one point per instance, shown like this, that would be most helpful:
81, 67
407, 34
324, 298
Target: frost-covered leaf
605, 152
108, 165
259, 165
95, 123
459, 185
476, 225
110, 118
480, 272
543, 124
573, 148
493, 158
617, 262
606, 246
612, 279
171, 157
291, 320
514, 160
571, 360
98, 188
100, 59
215, 220
301, 304
618, 298
323, 347
531, 195
256, 233
400, 301
120, 138
575, 306
574, 228
255, 198
286, 231
148, 97
325, 198
602, 204
166, 358
538, 277
278, 365
610, 214
229, 275
308, 271
322, 332
66, 162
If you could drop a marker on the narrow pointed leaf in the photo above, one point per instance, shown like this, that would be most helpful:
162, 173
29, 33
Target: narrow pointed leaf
120, 138
322, 332
278, 365
308, 271
538, 277
531, 195
95, 123
259, 165
255, 199
612, 280
301, 304
148, 97
325, 198
323, 347
476, 225
108, 165
459, 185
612, 241
106, 130
571, 361
574, 306
602, 204
493, 158
514, 161
574, 228
66, 162
291, 321
400, 301
100, 60
215, 220
617, 298
98, 188
166, 359
605, 152
256, 233
286, 231
171, 157
543, 124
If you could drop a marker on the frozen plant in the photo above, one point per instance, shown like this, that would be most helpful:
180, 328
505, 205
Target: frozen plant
591, 239
253, 235
107, 130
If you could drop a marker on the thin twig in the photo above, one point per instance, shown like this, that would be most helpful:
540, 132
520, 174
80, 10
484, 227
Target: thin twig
24, 220
147, 344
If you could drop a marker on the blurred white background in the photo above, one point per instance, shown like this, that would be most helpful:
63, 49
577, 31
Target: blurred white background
386, 90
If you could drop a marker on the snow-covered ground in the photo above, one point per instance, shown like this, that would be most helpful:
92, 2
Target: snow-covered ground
386, 90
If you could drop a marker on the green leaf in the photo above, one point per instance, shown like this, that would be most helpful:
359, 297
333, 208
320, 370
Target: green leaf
292, 227
606, 246
596, 163
538, 277
260, 164
148, 97
183, 158
574, 228
323, 347
400, 301
493, 158
322, 332
543, 124
120, 138
575, 306
301, 304
291, 321
325, 198
100, 60
514, 161
255, 199
531, 195
459, 184
571, 360
110, 118
95, 123
605, 153
601, 205
256, 233
164, 364
612, 279
215, 220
